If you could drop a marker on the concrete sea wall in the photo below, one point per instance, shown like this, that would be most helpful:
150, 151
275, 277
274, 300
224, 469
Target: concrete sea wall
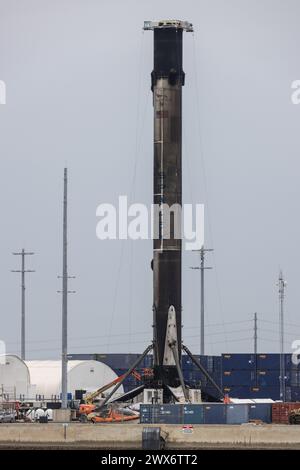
129, 436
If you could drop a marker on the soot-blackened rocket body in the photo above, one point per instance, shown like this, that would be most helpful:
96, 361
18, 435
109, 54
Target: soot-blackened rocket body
167, 79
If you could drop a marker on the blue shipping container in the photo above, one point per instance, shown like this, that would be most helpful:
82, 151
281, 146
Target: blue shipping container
167, 414
244, 378
295, 394
167, 419
161, 414
261, 411
266, 392
118, 361
125, 361
238, 361
217, 363
193, 414
214, 413
288, 394
252, 392
293, 362
295, 378
145, 414
237, 414
268, 361
187, 362
147, 361
237, 392
210, 363
272, 362
145, 409
145, 419
270, 378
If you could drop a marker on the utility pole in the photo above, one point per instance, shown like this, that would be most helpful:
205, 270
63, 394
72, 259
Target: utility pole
202, 267
281, 290
255, 334
23, 253
64, 365
65, 292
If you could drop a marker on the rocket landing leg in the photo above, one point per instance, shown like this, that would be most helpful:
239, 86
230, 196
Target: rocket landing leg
170, 372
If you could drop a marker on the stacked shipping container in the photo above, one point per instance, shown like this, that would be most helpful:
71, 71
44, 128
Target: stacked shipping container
250, 376
239, 375
194, 377
206, 413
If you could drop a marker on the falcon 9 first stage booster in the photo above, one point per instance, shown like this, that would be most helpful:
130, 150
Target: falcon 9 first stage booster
167, 80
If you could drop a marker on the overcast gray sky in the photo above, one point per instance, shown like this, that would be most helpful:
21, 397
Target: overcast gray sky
78, 94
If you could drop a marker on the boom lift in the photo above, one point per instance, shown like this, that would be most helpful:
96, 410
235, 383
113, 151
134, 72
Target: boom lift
89, 406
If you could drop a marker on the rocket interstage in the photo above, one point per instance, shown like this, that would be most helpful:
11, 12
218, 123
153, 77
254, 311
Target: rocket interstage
167, 79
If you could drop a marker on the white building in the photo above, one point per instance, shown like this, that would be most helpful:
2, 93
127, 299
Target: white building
14, 378
45, 377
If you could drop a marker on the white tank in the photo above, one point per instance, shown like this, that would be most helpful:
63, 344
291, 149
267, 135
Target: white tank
14, 377
45, 376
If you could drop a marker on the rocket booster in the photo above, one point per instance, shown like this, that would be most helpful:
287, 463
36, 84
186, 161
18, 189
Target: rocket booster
167, 79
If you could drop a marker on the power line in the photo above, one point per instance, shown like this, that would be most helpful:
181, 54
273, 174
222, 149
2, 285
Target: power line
125, 343
98, 346
285, 323
85, 338
221, 333
145, 332
233, 340
272, 340
274, 331
228, 323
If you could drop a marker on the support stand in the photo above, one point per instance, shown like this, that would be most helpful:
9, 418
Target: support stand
180, 375
134, 366
203, 370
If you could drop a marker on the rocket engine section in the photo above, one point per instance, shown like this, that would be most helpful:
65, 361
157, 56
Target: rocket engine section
167, 80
